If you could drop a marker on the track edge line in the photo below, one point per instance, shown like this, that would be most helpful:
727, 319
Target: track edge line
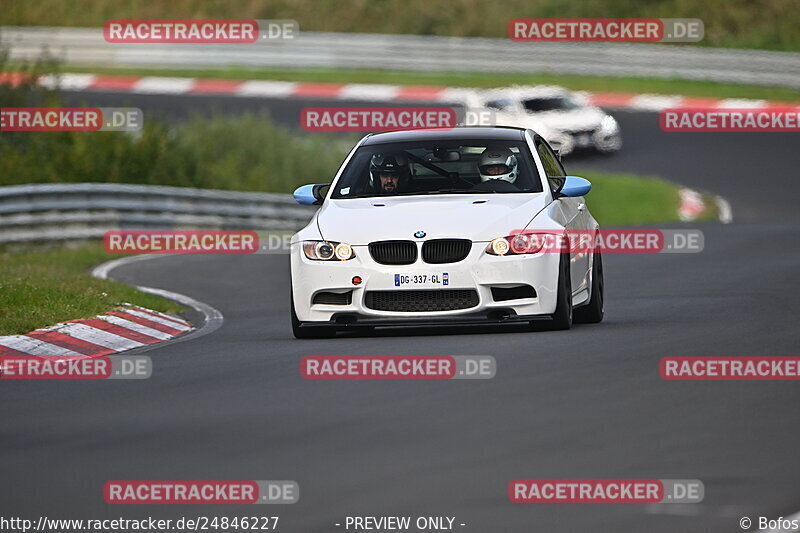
212, 317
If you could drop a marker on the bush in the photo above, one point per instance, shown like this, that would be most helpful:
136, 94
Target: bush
247, 153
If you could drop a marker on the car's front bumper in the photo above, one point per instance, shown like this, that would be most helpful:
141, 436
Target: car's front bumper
479, 272
567, 142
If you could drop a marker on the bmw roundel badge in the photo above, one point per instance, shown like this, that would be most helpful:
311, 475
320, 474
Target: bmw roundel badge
420, 234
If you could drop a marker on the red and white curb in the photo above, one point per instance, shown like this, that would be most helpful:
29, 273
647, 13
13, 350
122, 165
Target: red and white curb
125, 328
659, 102
354, 91
692, 206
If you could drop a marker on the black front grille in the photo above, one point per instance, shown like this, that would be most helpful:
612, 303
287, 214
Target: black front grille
502, 294
416, 301
393, 252
438, 251
333, 298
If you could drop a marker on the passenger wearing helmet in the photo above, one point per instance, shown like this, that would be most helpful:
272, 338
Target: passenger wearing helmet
388, 173
498, 163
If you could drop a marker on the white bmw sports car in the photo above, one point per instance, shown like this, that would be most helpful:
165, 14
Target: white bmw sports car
428, 227
564, 118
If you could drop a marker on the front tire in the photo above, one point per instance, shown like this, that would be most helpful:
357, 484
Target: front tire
562, 318
592, 313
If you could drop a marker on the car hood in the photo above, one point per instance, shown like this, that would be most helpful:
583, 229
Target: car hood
478, 217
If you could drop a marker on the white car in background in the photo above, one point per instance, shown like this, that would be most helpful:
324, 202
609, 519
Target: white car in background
432, 227
566, 119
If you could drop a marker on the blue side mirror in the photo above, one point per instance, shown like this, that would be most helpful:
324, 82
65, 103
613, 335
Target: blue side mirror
310, 194
305, 195
575, 186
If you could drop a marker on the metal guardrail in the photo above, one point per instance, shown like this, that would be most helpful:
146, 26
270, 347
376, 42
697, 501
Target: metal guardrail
86, 46
77, 211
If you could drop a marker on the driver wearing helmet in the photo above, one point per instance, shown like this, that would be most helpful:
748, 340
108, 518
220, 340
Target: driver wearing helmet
388, 173
498, 163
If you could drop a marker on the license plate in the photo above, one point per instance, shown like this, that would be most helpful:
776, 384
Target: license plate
583, 140
436, 280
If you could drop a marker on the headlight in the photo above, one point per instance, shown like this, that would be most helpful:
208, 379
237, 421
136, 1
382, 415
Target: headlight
608, 125
519, 244
344, 252
327, 250
498, 246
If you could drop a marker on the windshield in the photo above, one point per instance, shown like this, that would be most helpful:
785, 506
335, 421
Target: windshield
443, 167
557, 103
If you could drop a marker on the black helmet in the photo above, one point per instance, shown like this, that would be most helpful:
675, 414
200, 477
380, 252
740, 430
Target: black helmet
392, 164
389, 164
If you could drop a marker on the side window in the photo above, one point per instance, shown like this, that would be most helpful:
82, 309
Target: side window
552, 166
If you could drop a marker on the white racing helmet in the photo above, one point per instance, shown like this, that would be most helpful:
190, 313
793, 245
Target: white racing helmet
498, 163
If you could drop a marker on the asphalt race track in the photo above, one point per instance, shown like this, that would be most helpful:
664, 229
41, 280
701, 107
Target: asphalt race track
587, 403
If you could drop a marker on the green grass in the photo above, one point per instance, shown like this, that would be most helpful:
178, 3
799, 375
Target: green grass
243, 153
768, 24
628, 199
41, 287
471, 79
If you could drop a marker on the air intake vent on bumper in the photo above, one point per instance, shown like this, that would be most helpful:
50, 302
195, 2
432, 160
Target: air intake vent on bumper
424, 300
502, 294
333, 298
